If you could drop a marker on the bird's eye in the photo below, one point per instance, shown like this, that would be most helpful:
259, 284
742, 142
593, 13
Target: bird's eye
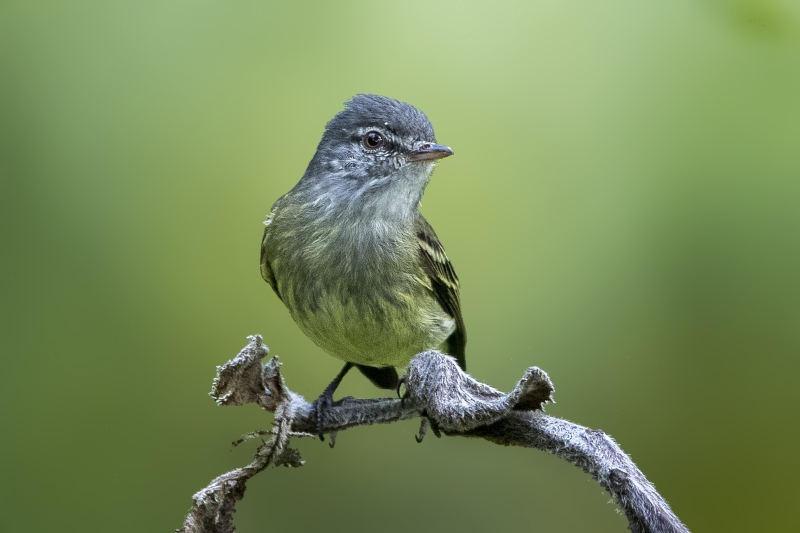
372, 140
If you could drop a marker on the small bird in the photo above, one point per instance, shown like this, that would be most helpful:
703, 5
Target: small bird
347, 251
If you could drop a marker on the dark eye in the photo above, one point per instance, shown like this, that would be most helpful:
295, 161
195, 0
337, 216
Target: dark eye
372, 140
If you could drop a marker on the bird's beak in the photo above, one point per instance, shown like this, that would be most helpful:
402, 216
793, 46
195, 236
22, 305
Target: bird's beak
429, 152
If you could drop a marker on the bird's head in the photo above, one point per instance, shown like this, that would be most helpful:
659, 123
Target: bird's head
374, 143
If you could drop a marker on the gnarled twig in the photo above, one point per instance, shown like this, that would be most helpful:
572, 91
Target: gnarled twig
450, 402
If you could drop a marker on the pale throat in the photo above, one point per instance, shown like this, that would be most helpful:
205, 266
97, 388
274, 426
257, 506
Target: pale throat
393, 205
374, 219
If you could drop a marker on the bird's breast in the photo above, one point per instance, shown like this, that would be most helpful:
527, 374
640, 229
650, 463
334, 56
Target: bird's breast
361, 302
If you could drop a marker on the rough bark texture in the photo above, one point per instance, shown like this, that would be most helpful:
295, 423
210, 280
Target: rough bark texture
448, 401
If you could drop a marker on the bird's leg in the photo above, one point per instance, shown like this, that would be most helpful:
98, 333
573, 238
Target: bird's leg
322, 405
406, 395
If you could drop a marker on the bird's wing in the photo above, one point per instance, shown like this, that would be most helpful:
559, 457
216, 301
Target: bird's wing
266, 270
443, 284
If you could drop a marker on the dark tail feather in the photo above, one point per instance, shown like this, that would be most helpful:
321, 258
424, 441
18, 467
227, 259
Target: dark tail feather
383, 378
456, 346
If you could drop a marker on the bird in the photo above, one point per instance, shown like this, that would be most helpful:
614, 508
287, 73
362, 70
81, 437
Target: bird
346, 250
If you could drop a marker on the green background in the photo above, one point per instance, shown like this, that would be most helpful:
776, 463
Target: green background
623, 210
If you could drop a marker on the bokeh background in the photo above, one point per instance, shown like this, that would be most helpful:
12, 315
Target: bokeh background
623, 210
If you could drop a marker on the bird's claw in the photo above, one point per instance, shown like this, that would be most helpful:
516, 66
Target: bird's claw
320, 408
402, 381
316, 410
423, 429
426, 424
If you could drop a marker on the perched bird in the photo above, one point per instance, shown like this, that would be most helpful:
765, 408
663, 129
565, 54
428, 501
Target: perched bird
360, 270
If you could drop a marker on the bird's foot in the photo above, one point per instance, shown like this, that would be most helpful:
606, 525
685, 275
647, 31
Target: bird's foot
322, 410
426, 424
322, 407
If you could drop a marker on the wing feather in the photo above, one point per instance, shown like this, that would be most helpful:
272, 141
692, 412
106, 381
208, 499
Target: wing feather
266, 270
444, 285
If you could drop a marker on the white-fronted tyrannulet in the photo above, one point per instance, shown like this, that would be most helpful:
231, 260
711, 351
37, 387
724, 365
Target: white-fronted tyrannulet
361, 271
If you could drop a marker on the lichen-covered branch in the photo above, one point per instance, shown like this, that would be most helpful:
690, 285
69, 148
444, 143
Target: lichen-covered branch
448, 401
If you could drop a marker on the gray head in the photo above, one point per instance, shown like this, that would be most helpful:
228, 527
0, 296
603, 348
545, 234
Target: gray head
376, 150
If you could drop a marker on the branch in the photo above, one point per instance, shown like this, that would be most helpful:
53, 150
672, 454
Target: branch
448, 401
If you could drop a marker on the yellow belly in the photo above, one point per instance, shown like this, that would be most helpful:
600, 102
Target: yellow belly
377, 335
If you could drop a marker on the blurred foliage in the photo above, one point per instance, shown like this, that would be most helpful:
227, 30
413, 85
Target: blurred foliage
622, 210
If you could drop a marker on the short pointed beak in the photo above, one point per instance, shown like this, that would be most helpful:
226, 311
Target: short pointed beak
429, 152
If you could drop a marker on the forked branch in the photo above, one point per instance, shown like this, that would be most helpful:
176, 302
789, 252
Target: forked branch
448, 401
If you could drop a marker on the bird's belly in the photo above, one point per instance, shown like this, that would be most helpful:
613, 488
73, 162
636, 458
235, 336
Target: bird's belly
378, 332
